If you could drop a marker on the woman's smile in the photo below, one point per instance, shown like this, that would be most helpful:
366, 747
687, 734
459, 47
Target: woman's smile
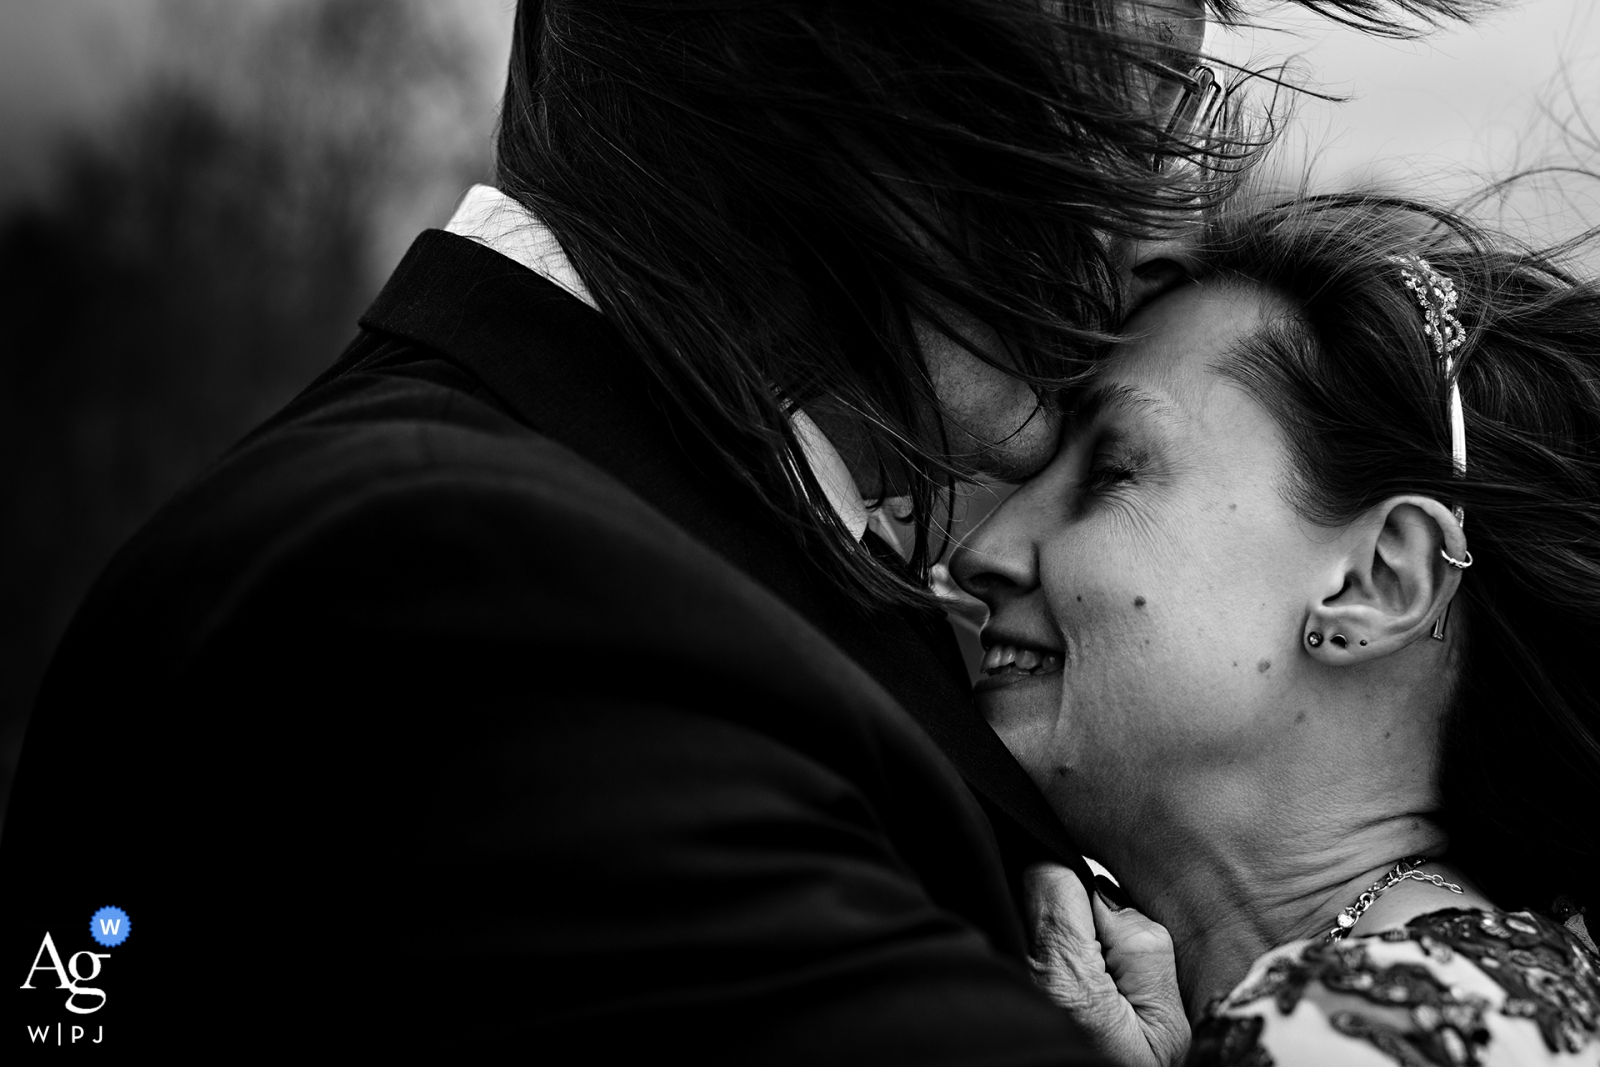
1006, 664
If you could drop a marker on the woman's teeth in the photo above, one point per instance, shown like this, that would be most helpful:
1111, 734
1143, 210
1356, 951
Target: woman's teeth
1015, 659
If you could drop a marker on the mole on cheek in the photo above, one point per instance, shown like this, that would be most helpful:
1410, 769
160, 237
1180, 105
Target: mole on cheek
1264, 666
1233, 507
1300, 717
1138, 601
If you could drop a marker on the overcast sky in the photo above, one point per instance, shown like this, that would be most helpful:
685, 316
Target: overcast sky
1443, 114
1464, 103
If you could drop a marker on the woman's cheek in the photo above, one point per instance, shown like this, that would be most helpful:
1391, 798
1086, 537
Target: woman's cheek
1136, 654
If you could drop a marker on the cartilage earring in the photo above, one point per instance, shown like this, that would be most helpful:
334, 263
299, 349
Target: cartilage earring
1314, 639
1339, 640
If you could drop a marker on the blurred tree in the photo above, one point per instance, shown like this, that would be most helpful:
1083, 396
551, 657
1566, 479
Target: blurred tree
195, 266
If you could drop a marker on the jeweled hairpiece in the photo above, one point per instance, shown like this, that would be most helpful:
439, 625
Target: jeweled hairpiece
1436, 296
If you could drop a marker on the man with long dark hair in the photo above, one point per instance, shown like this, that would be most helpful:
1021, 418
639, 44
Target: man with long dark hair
550, 671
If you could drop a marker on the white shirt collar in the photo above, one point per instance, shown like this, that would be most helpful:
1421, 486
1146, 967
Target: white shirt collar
496, 221
493, 219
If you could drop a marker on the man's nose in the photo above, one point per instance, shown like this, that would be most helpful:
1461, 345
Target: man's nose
1146, 269
999, 559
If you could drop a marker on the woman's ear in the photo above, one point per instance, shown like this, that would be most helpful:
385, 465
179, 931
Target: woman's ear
1394, 581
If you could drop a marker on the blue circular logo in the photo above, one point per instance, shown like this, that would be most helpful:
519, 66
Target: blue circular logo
109, 927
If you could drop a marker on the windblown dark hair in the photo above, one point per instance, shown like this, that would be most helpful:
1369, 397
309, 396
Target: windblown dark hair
1361, 394
764, 195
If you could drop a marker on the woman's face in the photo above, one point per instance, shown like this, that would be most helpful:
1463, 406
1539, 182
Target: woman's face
1149, 588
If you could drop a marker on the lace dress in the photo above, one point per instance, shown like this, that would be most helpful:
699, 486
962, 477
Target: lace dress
1453, 987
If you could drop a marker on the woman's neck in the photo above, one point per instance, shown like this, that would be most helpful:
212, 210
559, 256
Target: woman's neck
1226, 906
1289, 837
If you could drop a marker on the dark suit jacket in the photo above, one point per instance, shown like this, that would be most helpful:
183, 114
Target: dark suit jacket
467, 703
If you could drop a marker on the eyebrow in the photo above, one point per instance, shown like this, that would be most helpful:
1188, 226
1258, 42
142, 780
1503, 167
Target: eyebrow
1113, 397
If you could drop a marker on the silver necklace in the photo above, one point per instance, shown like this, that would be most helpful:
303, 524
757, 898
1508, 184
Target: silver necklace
1405, 870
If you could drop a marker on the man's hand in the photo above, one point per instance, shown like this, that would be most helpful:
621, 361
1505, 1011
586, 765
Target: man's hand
1112, 968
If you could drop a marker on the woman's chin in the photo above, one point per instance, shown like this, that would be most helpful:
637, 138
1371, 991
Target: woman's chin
1024, 710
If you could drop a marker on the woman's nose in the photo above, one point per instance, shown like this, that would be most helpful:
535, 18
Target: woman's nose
1000, 558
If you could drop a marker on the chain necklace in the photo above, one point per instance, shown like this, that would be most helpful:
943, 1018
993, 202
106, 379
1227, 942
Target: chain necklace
1400, 872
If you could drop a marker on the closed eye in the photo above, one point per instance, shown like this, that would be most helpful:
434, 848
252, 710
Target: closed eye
1103, 476
1115, 462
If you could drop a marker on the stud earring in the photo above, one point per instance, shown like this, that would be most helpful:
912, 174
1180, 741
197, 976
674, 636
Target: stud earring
1339, 640
1314, 639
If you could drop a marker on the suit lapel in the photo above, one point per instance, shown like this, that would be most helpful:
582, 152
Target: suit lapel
559, 367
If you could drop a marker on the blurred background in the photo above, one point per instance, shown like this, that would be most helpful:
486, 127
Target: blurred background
199, 197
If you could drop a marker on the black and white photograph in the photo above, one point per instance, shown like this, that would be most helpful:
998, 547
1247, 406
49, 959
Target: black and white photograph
967, 533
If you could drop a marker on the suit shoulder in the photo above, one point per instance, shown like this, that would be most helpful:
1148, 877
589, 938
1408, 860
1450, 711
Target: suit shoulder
417, 461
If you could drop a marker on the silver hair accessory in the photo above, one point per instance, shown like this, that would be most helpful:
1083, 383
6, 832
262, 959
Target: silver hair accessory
1436, 296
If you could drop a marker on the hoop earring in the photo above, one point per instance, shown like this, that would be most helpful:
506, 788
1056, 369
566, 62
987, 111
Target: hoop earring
1444, 616
1314, 639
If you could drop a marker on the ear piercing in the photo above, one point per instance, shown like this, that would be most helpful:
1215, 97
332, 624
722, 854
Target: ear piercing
1460, 565
1314, 639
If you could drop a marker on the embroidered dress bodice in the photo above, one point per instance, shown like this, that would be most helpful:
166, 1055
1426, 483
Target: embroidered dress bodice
1453, 988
